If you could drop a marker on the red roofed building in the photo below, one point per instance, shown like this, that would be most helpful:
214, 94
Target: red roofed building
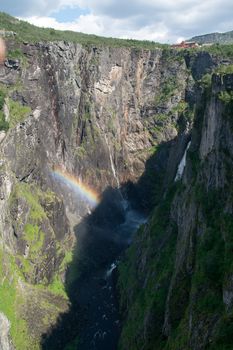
185, 45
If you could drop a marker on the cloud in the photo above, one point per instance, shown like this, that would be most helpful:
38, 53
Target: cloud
89, 24
92, 24
159, 20
30, 7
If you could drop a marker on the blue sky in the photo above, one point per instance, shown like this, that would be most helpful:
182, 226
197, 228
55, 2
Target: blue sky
69, 14
158, 20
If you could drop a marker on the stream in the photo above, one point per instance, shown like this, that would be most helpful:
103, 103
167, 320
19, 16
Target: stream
97, 296
93, 319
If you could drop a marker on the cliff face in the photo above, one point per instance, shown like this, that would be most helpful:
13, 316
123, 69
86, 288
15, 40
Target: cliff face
99, 114
102, 105
180, 265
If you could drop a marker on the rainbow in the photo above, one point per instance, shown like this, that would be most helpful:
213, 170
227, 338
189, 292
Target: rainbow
83, 190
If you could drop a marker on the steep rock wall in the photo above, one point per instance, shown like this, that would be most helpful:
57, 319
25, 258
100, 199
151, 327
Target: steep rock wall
100, 114
97, 112
179, 293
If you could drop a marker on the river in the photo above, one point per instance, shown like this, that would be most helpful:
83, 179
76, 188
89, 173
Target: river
93, 320
97, 293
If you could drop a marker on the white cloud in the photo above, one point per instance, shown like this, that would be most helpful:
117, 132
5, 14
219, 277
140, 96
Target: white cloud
89, 24
104, 26
159, 20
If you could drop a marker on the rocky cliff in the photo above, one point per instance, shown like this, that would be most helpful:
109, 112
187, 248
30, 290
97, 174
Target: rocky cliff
220, 38
98, 114
179, 294
5, 342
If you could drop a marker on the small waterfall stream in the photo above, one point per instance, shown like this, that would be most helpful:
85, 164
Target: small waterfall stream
182, 164
124, 202
114, 171
112, 163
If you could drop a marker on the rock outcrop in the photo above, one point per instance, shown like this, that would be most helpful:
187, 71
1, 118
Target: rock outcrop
213, 38
5, 342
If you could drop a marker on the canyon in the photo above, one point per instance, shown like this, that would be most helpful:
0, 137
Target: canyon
130, 246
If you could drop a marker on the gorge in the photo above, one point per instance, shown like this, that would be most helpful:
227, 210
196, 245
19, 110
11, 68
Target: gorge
116, 200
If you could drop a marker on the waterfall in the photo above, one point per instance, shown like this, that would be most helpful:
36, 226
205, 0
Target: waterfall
124, 202
110, 270
112, 163
182, 164
110, 157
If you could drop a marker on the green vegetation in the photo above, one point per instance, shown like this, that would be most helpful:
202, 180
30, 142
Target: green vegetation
4, 125
181, 107
195, 162
226, 96
223, 340
32, 219
169, 88
2, 99
28, 32
32, 195
20, 302
17, 54
171, 55
219, 50
57, 287
11, 300
145, 274
214, 260
23, 290
148, 299
225, 69
213, 267
32, 233
80, 152
73, 345
177, 117
18, 113
185, 114
206, 81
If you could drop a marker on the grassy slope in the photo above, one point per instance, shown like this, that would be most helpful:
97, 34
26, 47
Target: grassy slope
31, 33
25, 304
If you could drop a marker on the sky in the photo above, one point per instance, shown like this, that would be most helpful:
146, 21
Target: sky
164, 21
